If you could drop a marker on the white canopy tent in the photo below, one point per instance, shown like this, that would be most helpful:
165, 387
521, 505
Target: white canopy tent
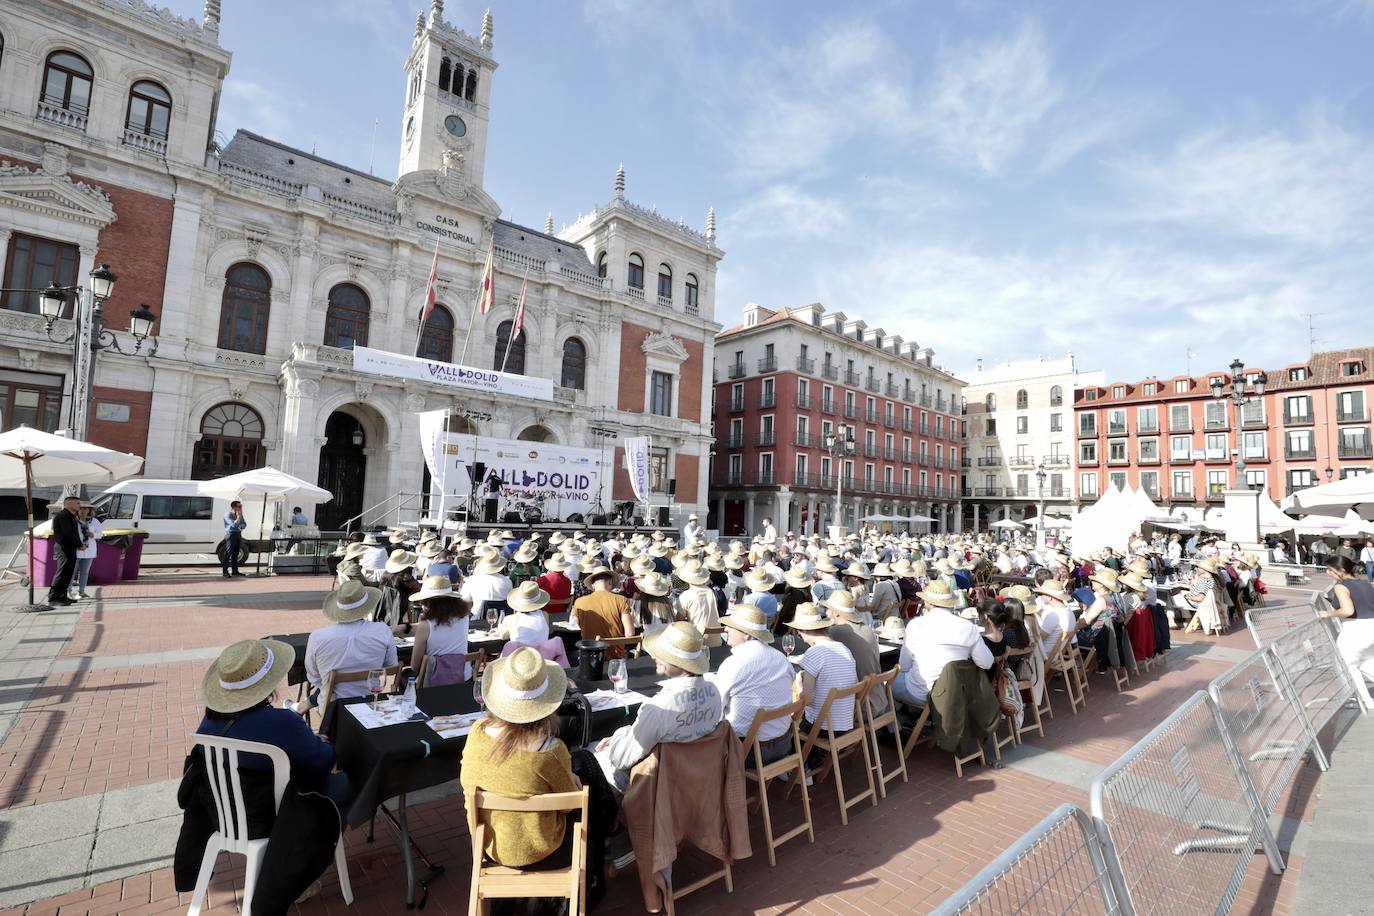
266, 483
1007, 524
1107, 523
32, 458
1336, 498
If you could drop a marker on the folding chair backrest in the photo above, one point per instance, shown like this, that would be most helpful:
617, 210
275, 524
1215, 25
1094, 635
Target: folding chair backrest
763, 716
628, 642
222, 774
882, 683
859, 691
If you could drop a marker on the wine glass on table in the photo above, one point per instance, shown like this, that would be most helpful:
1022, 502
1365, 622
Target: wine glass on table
374, 685
477, 692
620, 678
492, 617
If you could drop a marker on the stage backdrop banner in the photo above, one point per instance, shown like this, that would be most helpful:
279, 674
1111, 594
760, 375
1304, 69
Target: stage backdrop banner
380, 362
561, 480
433, 432
637, 463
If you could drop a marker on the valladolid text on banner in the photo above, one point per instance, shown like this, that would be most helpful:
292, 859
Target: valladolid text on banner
393, 365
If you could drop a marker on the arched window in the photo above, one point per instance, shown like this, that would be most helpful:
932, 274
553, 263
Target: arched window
436, 341
665, 281
2, 48
470, 90
244, 310
990, 402
445, 68
150, 110
67, 82
535, 434
1022, 399
574, 364
515, 362
1056, 396
601, 265
635, 276
346, 320
230, 441
690, 293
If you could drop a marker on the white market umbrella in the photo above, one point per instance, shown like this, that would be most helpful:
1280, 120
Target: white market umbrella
32, 458
267, 482
1007, 524
1336, 498
916, 518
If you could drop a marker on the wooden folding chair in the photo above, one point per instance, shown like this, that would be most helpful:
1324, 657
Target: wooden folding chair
335, 678
882, 685
473, 658
629, 642
493, 882
1064, 662
1034, 711
914, 738
821, 738
760, 774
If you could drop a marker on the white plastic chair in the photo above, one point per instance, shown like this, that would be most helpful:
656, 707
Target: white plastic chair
232, 835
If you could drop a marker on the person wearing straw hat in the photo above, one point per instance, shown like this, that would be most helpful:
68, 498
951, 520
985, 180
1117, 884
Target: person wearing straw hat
1054, 616
760, 583
692, 530
933, 640
525, 563
373, 559
1202, 595
893, 630
556, 583
825, 666
515, 752
442, 634
653, 602
353, 643
698, 602
798, 584
601, 613
754, 677
527, 618
854, 633
488, 582
687, 706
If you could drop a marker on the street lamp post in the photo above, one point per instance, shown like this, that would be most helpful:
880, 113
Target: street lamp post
1244, 390
90, 335
839, 446
1040, 510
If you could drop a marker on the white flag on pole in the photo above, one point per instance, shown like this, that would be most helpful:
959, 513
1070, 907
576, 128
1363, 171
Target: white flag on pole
433, 438
637, 463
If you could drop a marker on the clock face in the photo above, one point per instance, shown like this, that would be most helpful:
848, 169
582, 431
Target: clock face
454, 125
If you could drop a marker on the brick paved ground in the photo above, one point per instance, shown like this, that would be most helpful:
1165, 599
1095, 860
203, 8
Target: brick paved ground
89, 731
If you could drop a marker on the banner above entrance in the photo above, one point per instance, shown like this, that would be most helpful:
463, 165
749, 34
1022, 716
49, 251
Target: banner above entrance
380, 362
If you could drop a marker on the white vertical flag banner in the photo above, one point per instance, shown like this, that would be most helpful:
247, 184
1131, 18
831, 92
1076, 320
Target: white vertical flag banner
433, 439
637, 463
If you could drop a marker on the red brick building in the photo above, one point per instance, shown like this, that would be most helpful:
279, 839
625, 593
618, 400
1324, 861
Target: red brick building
1172, 438
785, 380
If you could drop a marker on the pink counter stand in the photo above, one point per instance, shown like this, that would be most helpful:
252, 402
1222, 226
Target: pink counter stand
109, 560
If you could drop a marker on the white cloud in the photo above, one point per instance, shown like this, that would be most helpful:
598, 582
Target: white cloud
263, 109
1313, 188
987, 98
786, 211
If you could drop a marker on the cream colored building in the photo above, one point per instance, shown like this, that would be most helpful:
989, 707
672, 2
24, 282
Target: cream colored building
1020, 423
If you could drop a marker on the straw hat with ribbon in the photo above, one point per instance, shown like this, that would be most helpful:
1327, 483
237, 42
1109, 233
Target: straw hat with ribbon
749, 620
398, 536
526, 597
758, 580
1140, 567
434, 587
797, 577
694, 573
245, 674
370, 540
734, 562
349, 569
488, 564
351, 601
430, 549
807, 617
902, 569
858, 571
526, 554
399, 561
523, 687
715, 563
355, 551
1020, 592
599, 572
1053, 588
679, 644
882, 571
1133, 582
557, 563
1107, 577
1209, 564
656, 584
938, 594
641, 565
839, 604
893, 629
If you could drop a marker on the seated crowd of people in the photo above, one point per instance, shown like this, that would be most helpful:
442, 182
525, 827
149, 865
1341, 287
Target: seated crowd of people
930, 595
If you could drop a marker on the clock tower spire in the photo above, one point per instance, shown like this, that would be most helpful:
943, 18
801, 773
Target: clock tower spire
448, 89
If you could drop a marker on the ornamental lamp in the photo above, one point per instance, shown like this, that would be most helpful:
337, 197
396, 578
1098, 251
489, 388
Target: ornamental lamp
102, 282
51, 302
141, 323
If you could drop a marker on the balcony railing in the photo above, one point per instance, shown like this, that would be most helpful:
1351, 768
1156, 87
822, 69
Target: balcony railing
966, 462
1182, 496
1147, 427
890, 453
1182, 426
665, 301
1353, 450
925, 429
63, 117
736, 404
1254, 422
908, 394
1181, 458
1088, 496
735, 370
146, 142
1215, 423
872, 384
1148, 459
805, 402
768, 400
763, 478
1352, 416
923, 459
1089, 431
851, 378
766, 438
925, 400
735, 441
1120, 459
1055, 461
1087, 462
1216, 496
806, 365
870, 451
830, 372
851, 412
768, 364
908, 425
908, 456
802, 440
1297, 419
871, 415
890, 389
990, 461
1299, 454
989, 491
829, 407
1021, 461
1116, 429
731, 478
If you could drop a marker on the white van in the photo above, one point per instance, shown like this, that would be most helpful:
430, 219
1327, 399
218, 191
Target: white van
178, 518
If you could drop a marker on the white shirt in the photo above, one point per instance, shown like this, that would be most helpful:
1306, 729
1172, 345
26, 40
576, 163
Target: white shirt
832, 665
87, 551
935, 639
1054, 622
684, 709
527, 627
373, 564
690, 530
770, 534
357, 646
448, 639
755, 676
699, 602
482, 587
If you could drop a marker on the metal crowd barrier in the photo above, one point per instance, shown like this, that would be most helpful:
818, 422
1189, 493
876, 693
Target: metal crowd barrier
1180, 816
1058, 868
1269, 623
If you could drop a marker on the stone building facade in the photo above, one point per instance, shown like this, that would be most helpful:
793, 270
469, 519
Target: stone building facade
266, 264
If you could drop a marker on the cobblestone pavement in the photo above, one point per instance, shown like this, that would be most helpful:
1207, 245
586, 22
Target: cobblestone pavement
97, 701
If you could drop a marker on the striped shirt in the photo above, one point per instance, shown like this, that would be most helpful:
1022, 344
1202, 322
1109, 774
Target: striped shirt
754, 677
832, 665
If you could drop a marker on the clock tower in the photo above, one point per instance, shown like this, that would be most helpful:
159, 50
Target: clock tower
448, 88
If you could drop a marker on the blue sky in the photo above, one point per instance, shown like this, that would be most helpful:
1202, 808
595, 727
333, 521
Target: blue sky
995, 180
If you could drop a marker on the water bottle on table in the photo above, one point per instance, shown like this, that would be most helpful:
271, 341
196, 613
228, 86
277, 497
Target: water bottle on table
408, 699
